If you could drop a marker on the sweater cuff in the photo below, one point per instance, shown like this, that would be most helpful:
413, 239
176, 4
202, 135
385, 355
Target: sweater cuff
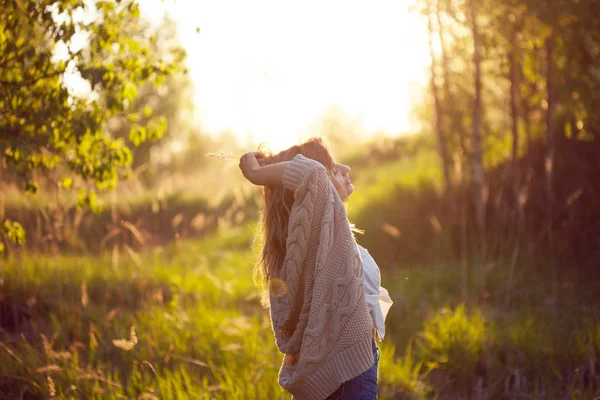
296, 171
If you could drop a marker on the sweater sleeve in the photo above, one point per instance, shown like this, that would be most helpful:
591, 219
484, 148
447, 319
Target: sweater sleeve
298, 169
312, 187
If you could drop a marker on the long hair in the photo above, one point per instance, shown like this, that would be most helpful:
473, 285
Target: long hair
278, 204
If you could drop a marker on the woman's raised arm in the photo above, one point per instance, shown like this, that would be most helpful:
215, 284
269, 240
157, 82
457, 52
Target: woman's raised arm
256, 172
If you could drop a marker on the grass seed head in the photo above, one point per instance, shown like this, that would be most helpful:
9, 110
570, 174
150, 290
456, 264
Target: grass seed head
221, 155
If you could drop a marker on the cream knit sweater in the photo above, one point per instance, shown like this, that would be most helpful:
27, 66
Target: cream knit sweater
318, 309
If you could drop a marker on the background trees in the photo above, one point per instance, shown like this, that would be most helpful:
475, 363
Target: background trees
514, 87
68, 69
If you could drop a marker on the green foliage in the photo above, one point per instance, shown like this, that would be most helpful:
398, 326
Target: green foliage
454, 341
14, 231
54, 128
186, 320
516, 85
397, 204
380, 182
88, 199
588, 341
528, 349
401, 376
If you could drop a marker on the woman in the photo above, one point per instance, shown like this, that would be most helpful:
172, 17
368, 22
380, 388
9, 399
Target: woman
324, 288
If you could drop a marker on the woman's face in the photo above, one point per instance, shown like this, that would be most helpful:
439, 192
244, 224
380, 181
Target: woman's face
341, 180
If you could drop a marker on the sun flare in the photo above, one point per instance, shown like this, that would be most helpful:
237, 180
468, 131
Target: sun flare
268, 70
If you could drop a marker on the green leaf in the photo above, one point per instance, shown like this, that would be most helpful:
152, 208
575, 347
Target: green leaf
31, 187
137, 135
129, 92
89, 200
14, 231
154, 134
66, 183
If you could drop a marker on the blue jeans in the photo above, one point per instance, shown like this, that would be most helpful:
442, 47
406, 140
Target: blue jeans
362, 387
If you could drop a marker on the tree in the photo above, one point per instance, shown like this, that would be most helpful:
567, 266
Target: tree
518, 76
167, 104
439, 112
549, 158
54, 130
514, 84
477, 156
450, 98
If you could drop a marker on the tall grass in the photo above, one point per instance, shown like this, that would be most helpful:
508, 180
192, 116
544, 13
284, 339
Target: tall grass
195, 314
187, 321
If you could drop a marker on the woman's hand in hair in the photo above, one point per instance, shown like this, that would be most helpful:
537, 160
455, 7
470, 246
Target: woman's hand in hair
254, 169
250, 164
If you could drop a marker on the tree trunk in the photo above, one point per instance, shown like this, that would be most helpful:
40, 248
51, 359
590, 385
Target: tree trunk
518, 189
439, 120
514, 84
455, 120
477, 156
549, 161
527, 123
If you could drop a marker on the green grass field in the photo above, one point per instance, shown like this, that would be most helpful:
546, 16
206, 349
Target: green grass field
186, 320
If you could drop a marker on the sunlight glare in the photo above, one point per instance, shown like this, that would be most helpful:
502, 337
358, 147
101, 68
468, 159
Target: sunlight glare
267, 70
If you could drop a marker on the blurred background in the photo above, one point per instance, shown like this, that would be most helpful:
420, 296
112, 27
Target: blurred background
128, 235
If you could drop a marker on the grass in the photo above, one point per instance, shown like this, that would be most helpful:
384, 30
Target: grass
186, 321
377, 182
195, 312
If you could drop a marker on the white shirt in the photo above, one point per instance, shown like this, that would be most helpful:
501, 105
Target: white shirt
378, 298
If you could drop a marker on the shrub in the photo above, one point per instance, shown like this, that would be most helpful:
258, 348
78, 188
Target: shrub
401, 377
453, 341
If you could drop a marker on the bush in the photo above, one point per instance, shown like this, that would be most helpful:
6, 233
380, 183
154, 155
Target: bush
453, 341
401, 377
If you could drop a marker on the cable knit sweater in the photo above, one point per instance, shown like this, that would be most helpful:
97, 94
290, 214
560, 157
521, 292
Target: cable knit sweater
318, 309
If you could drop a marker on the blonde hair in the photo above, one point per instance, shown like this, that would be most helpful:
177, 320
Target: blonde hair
278, 204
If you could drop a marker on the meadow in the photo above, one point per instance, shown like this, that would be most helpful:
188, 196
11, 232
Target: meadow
184, 318
482, 212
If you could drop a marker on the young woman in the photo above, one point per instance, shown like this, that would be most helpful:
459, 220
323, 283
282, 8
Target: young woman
326, 303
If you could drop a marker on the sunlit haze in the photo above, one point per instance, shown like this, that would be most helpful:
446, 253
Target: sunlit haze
269, 70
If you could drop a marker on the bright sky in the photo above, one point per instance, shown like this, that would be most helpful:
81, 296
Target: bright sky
269, 69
